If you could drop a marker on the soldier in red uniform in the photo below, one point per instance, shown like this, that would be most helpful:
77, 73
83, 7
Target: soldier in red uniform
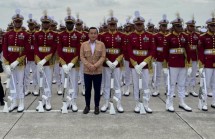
176, 54
141, 49
193, 38
15, 47
114, 43
160, 43
30, 65
84, 37
206, 55
45, 45
127, 71
68, 51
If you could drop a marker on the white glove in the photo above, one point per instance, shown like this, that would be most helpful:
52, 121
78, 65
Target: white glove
200, 70
70, 65
142, 64
40, 64
65, 69
189, 71
110, 64
138, 69
7, 69
165, 71
14, 64
115, 63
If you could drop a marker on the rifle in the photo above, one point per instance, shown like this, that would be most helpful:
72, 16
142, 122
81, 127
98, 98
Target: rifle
112, 109
202, 91
142, 109
5, 109
64, 108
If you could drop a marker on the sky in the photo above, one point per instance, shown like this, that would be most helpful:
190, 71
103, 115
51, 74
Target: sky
92, 12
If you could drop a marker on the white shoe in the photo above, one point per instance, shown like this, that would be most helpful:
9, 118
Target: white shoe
184, 106
74, 106
186, 94
48, 104
27, 93
126, 91
169, 104
59, 90
119, 107
213, 105
205, 108
105, 106
35, 93
210, 94
54, 82
43, 103
13, 105
137, 107
193, 93
21, 106
155, 94
31, 82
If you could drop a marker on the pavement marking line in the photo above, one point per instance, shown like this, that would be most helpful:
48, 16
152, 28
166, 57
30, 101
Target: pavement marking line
184, 121
19, 118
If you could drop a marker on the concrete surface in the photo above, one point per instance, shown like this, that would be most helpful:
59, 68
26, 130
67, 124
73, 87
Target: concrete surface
129, 125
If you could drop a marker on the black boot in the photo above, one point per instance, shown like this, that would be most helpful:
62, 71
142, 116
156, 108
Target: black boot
86, 110
2, 102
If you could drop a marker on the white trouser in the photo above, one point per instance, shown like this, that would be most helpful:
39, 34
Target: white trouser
107, 82
56, 74
191, 81
48, 72
159, 72
127, 75
27, 79
18, 78
210, 80
177, 75
81, 73
103, 79
145, 81
72, 82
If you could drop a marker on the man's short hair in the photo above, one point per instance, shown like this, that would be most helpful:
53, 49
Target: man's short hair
94, 28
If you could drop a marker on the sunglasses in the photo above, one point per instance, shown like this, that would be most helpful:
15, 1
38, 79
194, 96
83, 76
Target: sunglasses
138, 24
164, 25
192, 26
178, 26
212, 25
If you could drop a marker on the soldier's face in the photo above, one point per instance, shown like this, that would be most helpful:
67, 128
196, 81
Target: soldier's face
17, 23
78, 27
128, 28
163, 28
178, 28
45, 25
139, 27
191, 28
31, 26
69, 25
211, 28
93, 34
112, 26
151, 29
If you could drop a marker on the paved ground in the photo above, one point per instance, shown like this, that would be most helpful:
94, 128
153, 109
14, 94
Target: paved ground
161, 124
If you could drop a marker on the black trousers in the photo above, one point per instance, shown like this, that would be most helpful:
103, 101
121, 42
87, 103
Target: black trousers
96, 80
1, 91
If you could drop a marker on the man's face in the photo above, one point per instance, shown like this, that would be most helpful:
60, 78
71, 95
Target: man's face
46, 25
69, 25
139, 27
191, 28
53, 27
178, 28
93, 34
128, 28
112, 26
17, 23
31, 26
163, 27
211, 28
151, 28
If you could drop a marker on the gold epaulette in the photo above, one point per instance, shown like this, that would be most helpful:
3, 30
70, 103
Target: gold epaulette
203, 34
167, 34
184, 33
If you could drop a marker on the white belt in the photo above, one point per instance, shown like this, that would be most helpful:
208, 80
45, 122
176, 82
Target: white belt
193, 47
112, 51
15, 49
209, 52
140, 52
44, 49
68, 49
160, 49
176, 51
